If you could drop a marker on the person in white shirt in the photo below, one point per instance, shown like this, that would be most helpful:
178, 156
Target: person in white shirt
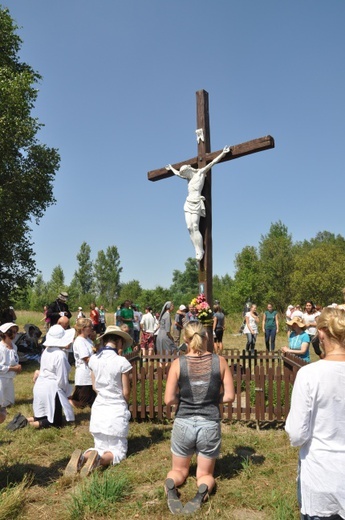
52, 387
310, 316
110, 416
316, 423
251, 327
9, 366
83, 395
148, 327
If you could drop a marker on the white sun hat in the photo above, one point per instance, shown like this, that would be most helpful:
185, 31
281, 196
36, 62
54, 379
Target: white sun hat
57, 336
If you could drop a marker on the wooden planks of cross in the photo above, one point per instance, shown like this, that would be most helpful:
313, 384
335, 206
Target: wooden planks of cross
205, 157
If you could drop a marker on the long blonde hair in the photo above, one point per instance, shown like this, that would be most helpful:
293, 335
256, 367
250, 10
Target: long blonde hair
195, 336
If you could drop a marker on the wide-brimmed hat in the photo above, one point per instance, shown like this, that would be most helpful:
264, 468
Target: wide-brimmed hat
57, 336
63, 296
114, 329
298, 320
80, 308
6, 326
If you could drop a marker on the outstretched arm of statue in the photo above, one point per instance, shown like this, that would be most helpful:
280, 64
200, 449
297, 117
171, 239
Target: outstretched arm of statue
226, 150
169, 167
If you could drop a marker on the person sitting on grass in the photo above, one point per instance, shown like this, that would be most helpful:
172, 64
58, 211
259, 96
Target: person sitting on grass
197, 383
110, 416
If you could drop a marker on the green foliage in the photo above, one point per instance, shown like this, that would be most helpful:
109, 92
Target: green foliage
107, 271
84, 273
27, 167
38, 294
276, 265
185, 284
247, 278
130, 291
56, 284
222, 291
154, 297
98, 495
319, 274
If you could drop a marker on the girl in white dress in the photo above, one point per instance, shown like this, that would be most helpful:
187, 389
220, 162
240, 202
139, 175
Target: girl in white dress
9, 366
110, 416
52, 388
84, 394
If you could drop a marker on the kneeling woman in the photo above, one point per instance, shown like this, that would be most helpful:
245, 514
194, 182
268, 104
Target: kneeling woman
52, 388
110, 416
197, 383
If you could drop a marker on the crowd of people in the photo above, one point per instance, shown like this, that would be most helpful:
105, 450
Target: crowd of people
197, 383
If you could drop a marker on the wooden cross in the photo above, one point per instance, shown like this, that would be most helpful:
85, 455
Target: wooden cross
205, 156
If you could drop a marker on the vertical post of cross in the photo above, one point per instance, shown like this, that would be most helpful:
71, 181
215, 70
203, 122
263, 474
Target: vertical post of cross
204, 147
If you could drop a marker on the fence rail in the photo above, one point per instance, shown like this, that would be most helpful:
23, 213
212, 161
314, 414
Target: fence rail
263, 383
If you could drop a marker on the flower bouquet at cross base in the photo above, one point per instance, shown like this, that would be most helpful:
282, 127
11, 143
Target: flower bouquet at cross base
204, 312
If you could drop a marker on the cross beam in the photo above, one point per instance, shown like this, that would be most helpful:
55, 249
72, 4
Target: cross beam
236, 151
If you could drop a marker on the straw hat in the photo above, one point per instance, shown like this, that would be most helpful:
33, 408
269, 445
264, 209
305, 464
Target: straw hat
298, 320
114, 329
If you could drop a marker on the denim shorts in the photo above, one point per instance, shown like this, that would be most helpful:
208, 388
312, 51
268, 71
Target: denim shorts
196, 435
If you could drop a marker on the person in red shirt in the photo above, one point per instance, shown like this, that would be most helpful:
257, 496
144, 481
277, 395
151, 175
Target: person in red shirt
94, 317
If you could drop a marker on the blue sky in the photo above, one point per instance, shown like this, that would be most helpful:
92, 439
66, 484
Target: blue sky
118, 99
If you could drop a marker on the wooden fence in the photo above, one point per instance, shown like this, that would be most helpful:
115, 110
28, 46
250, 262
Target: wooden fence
263, 384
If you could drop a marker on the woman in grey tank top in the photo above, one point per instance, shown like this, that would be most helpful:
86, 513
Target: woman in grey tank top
197, 383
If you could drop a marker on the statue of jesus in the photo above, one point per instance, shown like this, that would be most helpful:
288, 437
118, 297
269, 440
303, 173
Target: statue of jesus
194, 207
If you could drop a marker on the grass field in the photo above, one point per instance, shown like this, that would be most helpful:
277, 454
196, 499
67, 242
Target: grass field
255, 474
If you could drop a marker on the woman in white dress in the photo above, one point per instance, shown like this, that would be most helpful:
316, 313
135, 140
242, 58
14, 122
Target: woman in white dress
110, 416
9, 366
316, 423
52, 388
84, 394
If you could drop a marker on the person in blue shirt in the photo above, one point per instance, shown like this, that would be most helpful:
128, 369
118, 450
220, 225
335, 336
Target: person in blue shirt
298, 339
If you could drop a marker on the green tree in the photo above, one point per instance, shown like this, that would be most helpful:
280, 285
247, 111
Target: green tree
246, 283
276, 265
56, 284
130, 291
38, 294
319, 275
27, 167
185, 284
84, 274
156, 298
107, 271
222, 288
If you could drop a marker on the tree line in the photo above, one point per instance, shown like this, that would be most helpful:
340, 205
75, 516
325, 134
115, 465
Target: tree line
278, 271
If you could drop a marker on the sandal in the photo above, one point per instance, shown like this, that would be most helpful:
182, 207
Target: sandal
18, 421
91, 463
74, 464
174, 504
195, 504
